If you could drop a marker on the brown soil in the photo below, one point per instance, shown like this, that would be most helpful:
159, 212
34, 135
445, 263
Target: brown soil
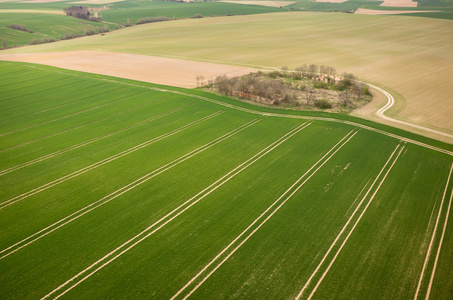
160, 70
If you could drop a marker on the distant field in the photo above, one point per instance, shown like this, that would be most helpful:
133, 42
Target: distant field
119, 189
43, 25
133, 11
411, 56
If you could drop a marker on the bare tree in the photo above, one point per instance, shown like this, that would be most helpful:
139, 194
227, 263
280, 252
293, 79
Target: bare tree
309, 95
284, 69
312, 70
358, 90
344, 97
200, 80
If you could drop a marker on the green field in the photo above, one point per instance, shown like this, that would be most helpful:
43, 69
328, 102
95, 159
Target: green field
134, 10
112, 188
43, 26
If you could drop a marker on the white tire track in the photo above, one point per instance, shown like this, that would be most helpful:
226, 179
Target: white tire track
349, 220
62, 222
439, 248
82, 144
103, 162
323, 160
77, 127
169, 217
428, 253
352, 229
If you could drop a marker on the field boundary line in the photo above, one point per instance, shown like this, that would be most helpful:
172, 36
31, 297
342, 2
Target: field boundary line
98, 138
192, 201
323, 160
354, 226
347, 222
80, 126
45, 231
104, 161
395, 136
428, 253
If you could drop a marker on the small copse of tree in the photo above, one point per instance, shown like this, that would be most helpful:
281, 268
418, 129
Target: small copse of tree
79, 12
19, 27
312, 86
151, 20
42, 41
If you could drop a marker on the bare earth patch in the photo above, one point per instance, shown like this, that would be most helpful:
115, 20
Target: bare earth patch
263, 3
159, 70
364, 11
399, 3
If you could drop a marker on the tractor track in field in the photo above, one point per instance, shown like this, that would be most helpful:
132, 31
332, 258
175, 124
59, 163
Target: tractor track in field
47, 230
79, 126
428, 253
82, 144
296, 186
67, 116
102, 162
395, 136
391, 160
126, 246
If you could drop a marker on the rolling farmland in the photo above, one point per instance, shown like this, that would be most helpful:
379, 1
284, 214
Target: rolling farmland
112, 188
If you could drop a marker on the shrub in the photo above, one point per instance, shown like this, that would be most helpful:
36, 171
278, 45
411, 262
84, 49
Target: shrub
323, 104
197, 16
321, 85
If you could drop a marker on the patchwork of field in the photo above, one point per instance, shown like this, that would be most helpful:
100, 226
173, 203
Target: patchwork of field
403, 54
119, 189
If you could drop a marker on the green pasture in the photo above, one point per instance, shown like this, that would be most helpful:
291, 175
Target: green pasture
56, 123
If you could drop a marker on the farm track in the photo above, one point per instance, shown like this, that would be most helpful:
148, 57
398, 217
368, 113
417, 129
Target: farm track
430, 248
387, 168
390, 103
82, 144
103, 162
267, 214
395, 136
107, 259
80, 126
121, 191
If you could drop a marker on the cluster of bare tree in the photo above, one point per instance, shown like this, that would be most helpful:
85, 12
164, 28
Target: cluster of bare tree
81, 12
19, 27
300, 87
256, 88
42, 41
151, 20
